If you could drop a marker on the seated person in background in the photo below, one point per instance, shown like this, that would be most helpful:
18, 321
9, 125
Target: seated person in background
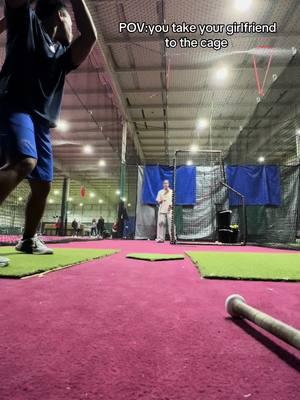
114, 230
75, 227
58, 226
100, 227
94, 228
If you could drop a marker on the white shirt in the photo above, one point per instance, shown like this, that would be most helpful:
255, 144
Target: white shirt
166, 198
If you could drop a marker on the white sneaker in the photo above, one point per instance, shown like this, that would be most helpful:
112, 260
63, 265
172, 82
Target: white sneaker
33, 246
4, 262
159, 241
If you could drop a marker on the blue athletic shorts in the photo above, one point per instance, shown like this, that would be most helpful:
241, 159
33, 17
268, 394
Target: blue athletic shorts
25, 136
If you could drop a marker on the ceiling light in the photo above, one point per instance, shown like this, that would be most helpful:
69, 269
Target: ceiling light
261, 159
189, 162
194, 148
56, 192
100, 201
222, 74
50, 201
202, 124
102, 163
88, 149
129, 205
70, 199
118, 192
63, 126
123, 199
92, 195
20, 199
81, 205
243, 5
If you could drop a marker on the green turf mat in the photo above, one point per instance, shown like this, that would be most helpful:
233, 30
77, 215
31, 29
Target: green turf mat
155, 257
22, 265
253, 266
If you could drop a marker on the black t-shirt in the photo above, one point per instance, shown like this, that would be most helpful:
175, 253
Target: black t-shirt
33, 75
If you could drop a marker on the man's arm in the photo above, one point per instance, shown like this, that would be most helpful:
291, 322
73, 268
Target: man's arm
158, 198
83, 45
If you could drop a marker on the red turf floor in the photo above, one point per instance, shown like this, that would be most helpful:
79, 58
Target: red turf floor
120, 329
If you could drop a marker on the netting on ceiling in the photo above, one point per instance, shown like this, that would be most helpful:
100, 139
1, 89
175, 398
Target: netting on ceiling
273, 130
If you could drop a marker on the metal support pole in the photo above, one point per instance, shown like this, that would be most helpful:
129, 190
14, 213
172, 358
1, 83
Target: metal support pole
123, 162
64, 206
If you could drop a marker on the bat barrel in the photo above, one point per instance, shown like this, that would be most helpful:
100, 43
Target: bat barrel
236, 306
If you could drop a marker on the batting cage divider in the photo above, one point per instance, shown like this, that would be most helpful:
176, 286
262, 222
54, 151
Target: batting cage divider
211, 219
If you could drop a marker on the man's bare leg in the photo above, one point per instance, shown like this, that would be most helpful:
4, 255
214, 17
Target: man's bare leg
12, 175
35, 207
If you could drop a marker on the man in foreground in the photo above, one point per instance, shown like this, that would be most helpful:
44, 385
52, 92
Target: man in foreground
40, 52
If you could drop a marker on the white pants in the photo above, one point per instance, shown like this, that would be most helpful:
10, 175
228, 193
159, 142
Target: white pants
161, 225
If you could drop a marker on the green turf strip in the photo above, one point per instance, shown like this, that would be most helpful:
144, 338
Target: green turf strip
258, 266
22, 265
155, 257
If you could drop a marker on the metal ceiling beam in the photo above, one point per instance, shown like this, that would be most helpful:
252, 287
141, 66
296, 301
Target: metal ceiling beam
194, 120
196, 106
191, 129
205, 88
197, 67
97, 90
78, 107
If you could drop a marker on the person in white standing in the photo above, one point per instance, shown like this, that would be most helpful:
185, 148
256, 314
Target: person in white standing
165, 212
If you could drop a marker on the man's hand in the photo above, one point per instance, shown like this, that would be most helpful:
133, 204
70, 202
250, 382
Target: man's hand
83, 45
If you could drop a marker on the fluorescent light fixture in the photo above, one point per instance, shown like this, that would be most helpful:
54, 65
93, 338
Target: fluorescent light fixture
20, 199
222, 74
118, 192
92, 195
194, 148
261, 159
70, 199
63, 125
51, 201
243, 5
81, 205
129, 205
88, 149
56, 192
202, 124
100, 201
102, 163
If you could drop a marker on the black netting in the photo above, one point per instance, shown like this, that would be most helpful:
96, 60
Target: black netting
272, 137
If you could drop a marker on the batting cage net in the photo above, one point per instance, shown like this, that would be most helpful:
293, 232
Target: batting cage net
12, 214
210, 218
